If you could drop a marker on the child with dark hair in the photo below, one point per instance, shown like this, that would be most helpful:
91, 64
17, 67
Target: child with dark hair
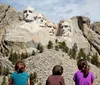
83, 76
19, 77
56, 77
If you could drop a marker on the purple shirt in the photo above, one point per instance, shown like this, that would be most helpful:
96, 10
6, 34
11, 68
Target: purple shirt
80, 80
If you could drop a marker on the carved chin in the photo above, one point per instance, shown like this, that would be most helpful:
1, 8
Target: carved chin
51, 33
65, 34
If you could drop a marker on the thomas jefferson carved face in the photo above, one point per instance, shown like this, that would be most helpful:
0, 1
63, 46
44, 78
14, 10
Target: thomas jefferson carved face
52, 28
41, 20
66, 29
29, 14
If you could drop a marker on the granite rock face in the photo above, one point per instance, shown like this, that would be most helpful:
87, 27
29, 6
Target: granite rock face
96, 27
91, 36
43, 64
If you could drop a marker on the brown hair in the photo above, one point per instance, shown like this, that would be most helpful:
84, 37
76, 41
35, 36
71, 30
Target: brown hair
20, 66
57, 70
83, 66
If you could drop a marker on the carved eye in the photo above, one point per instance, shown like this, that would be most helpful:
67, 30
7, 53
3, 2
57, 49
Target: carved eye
30, 11
39, 17
49, 26
61, 26
25, 11
66, 26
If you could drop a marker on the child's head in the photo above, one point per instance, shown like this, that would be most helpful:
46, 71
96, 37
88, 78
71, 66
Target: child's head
83, 66
20, 66
57, 70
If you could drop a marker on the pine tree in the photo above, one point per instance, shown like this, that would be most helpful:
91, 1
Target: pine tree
50, 45
40, 48
73, 51
0, 70
82, 55
95, 60
33, 52
33, 78
4, 81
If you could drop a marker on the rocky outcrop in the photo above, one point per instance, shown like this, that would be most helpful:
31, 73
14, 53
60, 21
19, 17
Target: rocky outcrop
92, 36
96, 27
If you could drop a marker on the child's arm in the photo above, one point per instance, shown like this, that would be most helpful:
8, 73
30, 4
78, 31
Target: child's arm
10, 82
62, 81
28, 81
92, 83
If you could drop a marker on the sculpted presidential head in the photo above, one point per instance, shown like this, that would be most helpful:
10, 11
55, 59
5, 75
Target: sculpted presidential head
41, 20
29, 14
51, 28
65, 28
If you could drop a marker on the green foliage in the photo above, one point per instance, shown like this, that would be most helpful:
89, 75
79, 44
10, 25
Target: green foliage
63, 46
95, 60
73, 51
57, 48
14, 57
82, 55
80, 22
40, 48
50, 45
33, 78
4, 81
56, 41
33, 52
0, 69
6, 71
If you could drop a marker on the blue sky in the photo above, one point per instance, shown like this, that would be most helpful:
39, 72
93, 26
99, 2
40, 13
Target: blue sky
56, 10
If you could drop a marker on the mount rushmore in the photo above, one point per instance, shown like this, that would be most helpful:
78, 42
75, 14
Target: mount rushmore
30, 27
22, 31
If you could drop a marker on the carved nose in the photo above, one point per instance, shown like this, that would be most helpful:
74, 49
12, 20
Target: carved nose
41, 20
27, 15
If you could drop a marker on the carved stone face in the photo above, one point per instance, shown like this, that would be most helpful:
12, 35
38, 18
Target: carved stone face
41, 20
52, 29
66, 29
29, 14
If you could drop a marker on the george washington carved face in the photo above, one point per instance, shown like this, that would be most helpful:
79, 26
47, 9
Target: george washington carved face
29, 14
41, 20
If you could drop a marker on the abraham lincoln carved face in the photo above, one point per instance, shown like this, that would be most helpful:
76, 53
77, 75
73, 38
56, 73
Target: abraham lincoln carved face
65, 29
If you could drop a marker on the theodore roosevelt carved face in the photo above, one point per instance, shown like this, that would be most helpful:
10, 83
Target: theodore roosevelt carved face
52, 28
29, 14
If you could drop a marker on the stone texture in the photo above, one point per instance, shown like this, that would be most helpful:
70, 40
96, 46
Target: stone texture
43, 63
96, 27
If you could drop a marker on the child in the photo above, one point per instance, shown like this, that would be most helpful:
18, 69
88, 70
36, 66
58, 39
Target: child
56, 78
83, 76
19, 77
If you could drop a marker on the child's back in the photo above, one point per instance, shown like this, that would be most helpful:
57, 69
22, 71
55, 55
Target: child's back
81, 80
83, 76
56, 78
19, 78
